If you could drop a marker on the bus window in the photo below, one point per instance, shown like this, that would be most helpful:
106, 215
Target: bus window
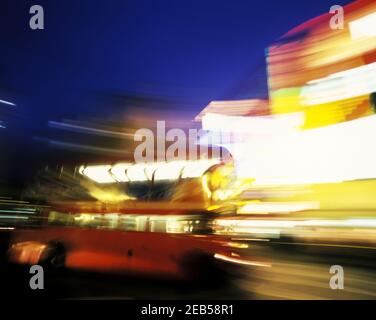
142, 223
127, 223
110, 221
59, 219
175, 225
86, 220
158, 224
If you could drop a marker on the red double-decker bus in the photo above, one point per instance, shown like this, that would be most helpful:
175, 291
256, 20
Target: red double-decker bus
164, 226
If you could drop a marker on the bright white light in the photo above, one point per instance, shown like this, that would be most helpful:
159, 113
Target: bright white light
263, 226
335, 153
277, 207
340, 86
127, 172
355, 223
194, 169
100, 173
255, 223
241, 261
118, 171
7, 102
137, 172
363, 27
169, 170
260, 124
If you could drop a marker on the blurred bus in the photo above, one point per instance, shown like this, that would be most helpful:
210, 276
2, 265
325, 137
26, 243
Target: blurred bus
162, 226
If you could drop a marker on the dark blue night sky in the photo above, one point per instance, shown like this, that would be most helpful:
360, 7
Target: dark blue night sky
193, 51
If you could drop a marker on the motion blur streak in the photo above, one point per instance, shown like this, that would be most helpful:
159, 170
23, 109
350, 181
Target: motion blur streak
127, 172
293, 195
340, 86
87, 148
275, 207
7, 102
82, 129
364, 27
326, 154
248, 263
100, 174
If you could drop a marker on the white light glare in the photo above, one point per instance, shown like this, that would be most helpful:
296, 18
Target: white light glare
277, 207
100, 173
128, 172
363, 27
342, 85
7, 102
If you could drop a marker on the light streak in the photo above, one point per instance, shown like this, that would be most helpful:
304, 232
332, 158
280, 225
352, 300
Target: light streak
241, 261
7, 102
129, 172
363, 27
